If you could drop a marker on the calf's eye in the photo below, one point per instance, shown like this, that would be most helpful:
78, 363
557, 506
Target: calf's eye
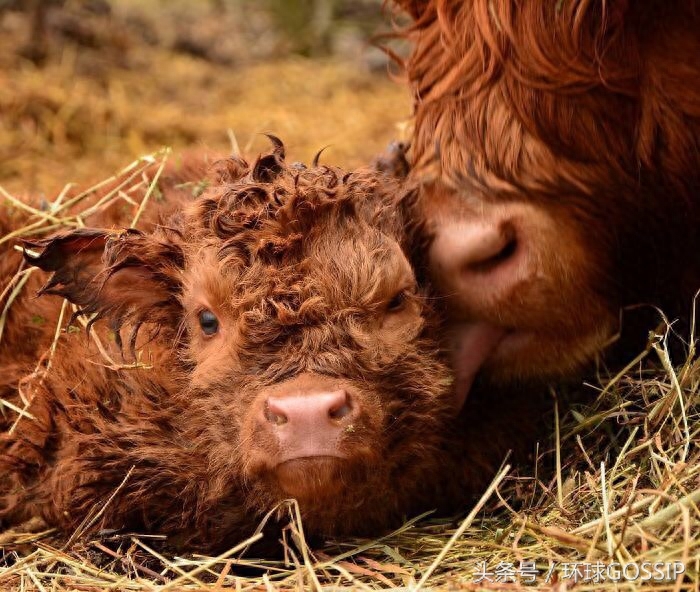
208, 322
398, 302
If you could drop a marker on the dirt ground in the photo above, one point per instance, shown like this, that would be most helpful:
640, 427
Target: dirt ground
102, 83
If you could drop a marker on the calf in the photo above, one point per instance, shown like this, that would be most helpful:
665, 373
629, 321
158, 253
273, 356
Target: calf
283, 349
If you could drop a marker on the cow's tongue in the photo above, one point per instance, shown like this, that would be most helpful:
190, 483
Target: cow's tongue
472, 344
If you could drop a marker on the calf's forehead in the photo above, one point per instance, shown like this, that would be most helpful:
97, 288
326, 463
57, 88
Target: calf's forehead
348, 261
359, 261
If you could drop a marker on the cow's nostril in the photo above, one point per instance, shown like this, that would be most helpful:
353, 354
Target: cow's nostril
506, 252
470, 250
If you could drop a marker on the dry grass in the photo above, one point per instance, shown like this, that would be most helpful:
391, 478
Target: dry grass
87, 111
618, 483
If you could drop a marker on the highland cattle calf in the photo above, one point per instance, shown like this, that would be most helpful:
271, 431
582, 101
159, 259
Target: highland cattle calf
285, 350
558, 146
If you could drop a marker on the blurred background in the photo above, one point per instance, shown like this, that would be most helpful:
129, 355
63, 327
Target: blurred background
87, 86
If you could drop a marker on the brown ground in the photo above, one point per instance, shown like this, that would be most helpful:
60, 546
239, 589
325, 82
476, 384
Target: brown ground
115, 86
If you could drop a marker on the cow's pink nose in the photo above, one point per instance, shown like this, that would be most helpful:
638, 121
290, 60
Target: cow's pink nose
311, 424
475, 247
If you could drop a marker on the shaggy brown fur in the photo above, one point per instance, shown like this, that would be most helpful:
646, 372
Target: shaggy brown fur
563, 140
30, 323
305, 270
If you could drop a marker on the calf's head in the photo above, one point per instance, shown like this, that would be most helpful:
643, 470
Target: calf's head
289, 321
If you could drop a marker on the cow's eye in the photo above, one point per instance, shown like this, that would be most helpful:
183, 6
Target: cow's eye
208, 322
398, 302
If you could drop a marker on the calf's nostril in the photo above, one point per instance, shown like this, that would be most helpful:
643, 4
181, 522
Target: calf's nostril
274, 414
341, 408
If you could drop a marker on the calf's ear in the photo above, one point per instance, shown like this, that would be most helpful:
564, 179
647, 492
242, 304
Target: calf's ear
123, 277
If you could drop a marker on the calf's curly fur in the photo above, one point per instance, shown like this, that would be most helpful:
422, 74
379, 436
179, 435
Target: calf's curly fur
306, 275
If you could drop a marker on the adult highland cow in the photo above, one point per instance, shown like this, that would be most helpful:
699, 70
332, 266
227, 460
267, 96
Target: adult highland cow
558, 144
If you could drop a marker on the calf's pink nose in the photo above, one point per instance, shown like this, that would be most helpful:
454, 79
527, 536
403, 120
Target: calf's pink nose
312, 409
309, 424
